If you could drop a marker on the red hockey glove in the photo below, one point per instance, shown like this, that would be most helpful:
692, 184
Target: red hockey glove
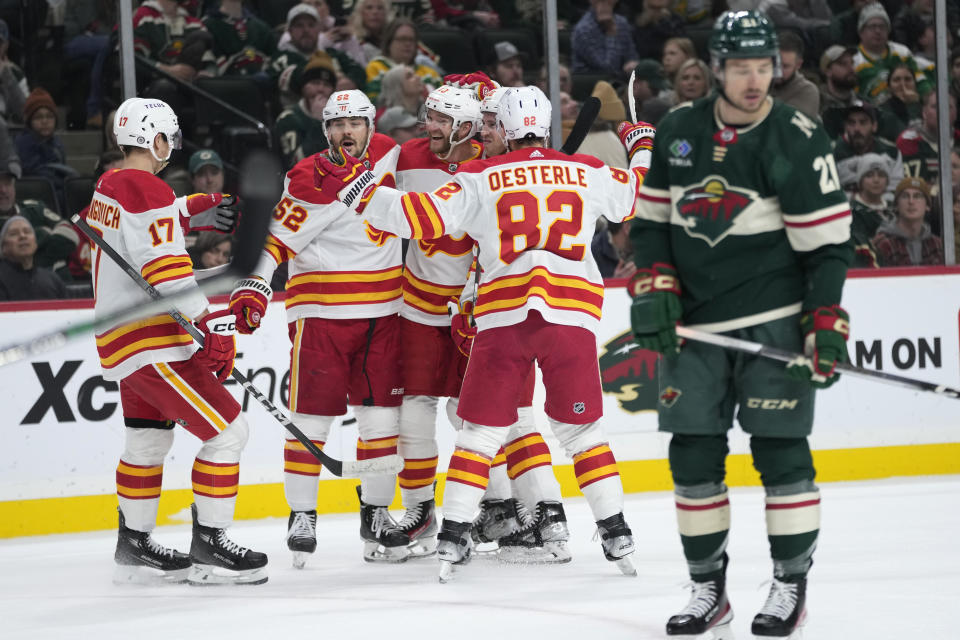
478, 81
346, 177
219, 343
637, 137
462, 328
825, 330
656, 308
249, 303
218, 212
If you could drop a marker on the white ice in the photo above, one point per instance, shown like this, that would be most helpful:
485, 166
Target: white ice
888, 566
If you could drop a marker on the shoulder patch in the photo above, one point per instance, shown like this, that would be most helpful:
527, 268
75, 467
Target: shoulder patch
136, 191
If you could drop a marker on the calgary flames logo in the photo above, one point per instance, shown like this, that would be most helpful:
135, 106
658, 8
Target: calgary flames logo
376, 236
710, 209
450, 245
629, 373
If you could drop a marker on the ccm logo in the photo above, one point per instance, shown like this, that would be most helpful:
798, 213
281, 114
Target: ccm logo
224, 327
771, 403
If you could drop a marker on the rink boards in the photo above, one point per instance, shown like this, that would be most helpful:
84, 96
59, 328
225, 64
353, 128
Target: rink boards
62, 430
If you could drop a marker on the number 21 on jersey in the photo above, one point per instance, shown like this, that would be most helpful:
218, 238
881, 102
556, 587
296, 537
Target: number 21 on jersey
519, 219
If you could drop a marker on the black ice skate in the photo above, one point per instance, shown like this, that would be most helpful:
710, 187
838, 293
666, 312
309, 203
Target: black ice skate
383, 541
784, 612
454, 546
141, 560
708, 612
420, 524
302, 536
542, 539
497, 519
617, 542
219, 560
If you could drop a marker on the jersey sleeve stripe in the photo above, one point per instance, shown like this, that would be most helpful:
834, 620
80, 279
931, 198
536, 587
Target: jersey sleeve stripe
164, 262
278, 250
433, 214
817, 217
413, 220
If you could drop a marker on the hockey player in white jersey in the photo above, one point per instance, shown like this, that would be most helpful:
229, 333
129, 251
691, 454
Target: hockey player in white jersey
343, 295
532, 212
164, 379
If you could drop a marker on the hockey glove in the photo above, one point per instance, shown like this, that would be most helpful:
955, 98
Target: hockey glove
249, 303
345, 176
825, 330
478, 81
638, 140
219, 343
218, 212
656, 308
462, 327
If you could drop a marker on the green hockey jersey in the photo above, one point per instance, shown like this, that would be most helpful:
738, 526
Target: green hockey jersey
300, 135
752, 218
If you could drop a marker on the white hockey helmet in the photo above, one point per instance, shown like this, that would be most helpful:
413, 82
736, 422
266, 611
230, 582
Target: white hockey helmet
491, 101
139, 120
460, 104
349, 104
524, 112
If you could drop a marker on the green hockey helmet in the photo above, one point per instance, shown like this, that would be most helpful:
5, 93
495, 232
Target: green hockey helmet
744, 34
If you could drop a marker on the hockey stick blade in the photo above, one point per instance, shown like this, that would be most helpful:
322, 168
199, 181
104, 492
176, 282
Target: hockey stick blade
581, 127
736, 344
631, 98
387, 464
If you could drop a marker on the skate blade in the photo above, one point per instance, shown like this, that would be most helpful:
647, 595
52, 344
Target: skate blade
204, 575
300, 559
626, 566
125, 574
422, 548
719, 631
549, 553
796, 634
376, 552
446, 571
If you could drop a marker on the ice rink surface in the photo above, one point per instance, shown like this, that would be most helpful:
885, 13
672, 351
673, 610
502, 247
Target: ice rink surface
888, 566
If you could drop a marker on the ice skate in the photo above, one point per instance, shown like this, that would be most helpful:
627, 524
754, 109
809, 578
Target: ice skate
383, 541
302, 536
784, 612
141, 560
219, 560
420, 525
454, 547
542, 539
707, 615
497, 519
617, 542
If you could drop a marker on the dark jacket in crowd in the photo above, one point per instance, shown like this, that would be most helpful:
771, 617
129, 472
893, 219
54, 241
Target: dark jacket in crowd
37, 283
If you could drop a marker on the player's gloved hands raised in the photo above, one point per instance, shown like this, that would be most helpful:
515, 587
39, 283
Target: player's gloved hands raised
462, 327
637, 138
218, 212
219, 343
480, 82
349, 178
825, 330
248, 303
656, 308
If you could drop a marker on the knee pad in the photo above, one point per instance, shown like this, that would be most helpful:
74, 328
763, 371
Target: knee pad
698, 460
146, 447
314, 427
577, 438
524, 425
481, 439
455, 420
783, 461
418, 418
226, 445
377, 422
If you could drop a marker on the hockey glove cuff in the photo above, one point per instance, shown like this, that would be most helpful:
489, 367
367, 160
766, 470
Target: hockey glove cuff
218, 212
826, 331
219, 343
656, 308
249, 303
347, 177
462, 327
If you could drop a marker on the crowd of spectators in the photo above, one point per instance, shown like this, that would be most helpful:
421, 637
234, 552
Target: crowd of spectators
864, 69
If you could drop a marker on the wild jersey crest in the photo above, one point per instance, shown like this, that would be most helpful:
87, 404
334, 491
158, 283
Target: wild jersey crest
709, 209
629, 373
450, 245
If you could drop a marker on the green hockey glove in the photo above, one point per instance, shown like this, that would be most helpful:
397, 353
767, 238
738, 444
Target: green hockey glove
826, 330
656, 308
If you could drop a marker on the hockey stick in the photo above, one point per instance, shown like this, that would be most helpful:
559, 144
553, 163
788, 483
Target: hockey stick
755, 348
631, 99
386, 464
581, 127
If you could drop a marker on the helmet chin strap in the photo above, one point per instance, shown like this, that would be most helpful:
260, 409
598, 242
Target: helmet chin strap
453, 145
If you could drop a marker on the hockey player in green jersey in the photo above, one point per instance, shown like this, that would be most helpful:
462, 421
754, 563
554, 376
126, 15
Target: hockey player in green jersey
741, 228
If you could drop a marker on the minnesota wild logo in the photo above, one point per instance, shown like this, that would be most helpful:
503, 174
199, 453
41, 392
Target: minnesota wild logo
710, 209
629, 373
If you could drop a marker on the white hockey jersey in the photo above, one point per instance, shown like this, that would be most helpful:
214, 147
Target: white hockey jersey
533, 213
340, 266
135, 213
436, 268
